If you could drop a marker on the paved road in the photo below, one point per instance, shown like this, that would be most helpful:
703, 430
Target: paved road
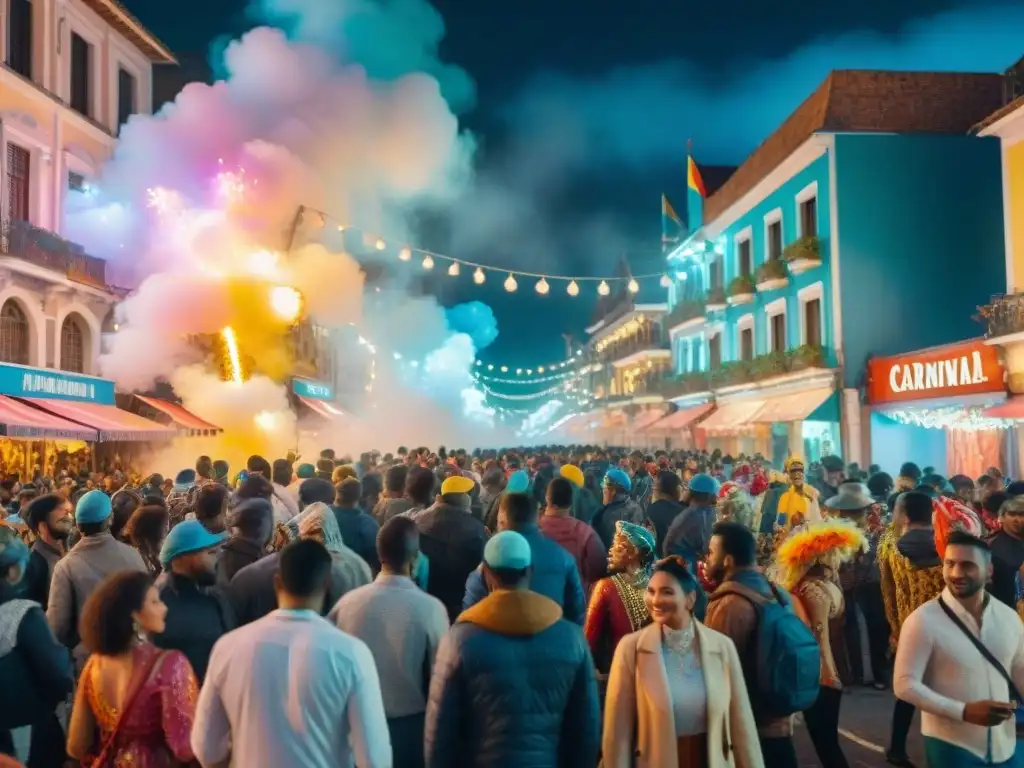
864, 722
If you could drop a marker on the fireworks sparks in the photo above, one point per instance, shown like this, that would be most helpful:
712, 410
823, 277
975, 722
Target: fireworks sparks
231, 187
166, 202
286, 302
231, 342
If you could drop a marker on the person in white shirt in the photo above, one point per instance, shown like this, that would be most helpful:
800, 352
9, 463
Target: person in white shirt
291, 689
403, 626
967, 703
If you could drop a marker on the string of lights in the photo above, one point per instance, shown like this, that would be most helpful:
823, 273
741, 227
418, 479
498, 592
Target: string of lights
530, 396
429, 259
966, 419
524, 382
538, 371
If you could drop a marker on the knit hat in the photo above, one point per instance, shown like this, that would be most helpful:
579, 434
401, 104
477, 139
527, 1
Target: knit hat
618, 478
508, 549
305, 471
573, 474
518, 482
93, 507
187, 537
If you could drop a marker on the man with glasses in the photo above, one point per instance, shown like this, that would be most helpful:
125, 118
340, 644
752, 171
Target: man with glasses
50, 520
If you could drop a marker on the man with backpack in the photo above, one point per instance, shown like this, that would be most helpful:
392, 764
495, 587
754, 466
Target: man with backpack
778, 653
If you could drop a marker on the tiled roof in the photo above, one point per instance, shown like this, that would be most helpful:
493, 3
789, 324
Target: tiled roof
999, 114
868, 102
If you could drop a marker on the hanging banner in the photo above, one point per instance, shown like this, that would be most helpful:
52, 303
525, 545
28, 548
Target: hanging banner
957, 370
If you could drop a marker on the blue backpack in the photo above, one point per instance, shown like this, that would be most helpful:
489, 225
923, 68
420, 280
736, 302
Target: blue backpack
786, 659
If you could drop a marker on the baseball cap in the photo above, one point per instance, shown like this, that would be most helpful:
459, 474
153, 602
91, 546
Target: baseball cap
508, 549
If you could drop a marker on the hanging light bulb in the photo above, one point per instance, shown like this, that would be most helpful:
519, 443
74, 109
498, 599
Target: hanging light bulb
541, 369
453, 270
573, 289
529, 371
603, 288
490, 367
633, 286
510, 283
341, 227
519, 371
479, 363
666, 281
542, 287
405, 254
504, 369
478, 276
381, 245
428, 262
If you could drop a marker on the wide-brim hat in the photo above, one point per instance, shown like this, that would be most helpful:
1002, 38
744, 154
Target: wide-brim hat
851, 497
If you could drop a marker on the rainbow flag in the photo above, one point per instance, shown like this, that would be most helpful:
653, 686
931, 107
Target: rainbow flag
695, 194
671, 223
693, 178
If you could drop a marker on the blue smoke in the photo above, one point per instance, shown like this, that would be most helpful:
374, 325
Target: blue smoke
476, 320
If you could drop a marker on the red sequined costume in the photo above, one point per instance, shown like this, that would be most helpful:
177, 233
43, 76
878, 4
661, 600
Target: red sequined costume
616, 609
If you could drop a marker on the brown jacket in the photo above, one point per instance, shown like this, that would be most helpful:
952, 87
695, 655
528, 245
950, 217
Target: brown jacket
731, 611
582, 542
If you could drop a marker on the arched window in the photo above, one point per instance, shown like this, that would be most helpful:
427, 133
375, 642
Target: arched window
14, 333
72, 345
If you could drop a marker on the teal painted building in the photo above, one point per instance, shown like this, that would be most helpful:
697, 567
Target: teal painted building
870, 223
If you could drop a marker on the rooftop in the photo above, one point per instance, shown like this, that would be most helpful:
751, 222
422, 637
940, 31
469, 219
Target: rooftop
868, 102
121, 19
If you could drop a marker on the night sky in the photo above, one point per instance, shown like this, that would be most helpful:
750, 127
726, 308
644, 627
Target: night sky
608, 93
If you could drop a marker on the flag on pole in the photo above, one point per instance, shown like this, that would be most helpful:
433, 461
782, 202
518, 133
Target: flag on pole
695, 193
671, 223
693, 178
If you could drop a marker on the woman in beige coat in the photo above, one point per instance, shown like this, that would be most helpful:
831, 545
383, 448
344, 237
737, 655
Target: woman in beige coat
676, 695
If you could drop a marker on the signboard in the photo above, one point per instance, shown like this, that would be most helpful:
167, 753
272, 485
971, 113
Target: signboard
22, 381
314, 390
956, 370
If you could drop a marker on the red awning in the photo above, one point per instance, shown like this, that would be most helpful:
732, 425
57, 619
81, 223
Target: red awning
681, 419
322, 408
1011, 410
646, 419
180, 417
20, 420
109, 421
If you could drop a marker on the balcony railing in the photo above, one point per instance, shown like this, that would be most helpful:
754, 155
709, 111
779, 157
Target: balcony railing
641, 342
689, 309
744, 371
45, 249
1003, 315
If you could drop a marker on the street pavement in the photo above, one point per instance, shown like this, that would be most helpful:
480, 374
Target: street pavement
864, 722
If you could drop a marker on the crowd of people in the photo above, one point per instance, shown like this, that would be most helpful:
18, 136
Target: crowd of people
554, 606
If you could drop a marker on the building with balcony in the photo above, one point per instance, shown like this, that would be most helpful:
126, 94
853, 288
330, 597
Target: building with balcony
865, 225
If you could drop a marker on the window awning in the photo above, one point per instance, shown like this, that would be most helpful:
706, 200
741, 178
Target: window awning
681, 419
1011, 409
322, 408
733, 415
647, 418
792, 407
20, 420
181, 417
110, 422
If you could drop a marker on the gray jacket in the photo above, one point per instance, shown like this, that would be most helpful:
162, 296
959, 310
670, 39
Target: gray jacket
75, 578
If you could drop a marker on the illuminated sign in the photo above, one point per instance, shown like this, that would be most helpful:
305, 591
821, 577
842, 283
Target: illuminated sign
314, 390
22, 381
956, 370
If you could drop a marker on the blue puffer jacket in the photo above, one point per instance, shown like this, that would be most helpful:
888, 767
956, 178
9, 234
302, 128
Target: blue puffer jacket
513, 687
555, 575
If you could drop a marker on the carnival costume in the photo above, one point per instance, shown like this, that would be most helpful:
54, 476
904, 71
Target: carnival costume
617, 605
905, 586
950, 515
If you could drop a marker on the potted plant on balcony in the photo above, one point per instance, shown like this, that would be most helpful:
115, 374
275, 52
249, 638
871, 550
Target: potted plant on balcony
805, 357
685, 311
771, 275
803, 254
741, 290
715, 300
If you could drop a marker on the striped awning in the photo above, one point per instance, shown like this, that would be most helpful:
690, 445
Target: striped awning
110, 422
19, 419
180, 417
680, 420
322, 408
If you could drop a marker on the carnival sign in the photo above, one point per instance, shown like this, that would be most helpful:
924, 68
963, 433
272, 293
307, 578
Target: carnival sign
972, 368
314, 390
22, 381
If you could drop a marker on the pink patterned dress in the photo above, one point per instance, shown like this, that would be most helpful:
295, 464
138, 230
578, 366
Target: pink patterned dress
155, 732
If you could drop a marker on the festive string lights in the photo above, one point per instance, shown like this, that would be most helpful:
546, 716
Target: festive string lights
953, 418
319, 219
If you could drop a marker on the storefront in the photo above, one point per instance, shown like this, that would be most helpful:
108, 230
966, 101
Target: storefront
315, 405
938, 407
794, 414
48, 417
680, 429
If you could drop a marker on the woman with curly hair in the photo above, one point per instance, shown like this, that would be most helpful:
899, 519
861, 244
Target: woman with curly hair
146, 531
807, 565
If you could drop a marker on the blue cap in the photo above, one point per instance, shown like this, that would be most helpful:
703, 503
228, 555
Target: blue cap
617, 477
704, 484
187, 537
518, 482
12, 549
508, 549
93, 507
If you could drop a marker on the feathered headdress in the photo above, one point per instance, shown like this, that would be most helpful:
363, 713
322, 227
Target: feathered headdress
829, 542
949, 515
735, 504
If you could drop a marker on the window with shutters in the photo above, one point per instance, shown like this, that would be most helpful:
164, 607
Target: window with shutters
19, 37
744, 260
125, 96
81, 59
812, 322
18, 182
72, 346
774, 244
715, 351
717, 279
747, 344
14, 334
809, 216
778, 326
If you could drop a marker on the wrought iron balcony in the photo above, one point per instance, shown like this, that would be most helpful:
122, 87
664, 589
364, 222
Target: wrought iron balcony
651, 339
22, 240
1003, 315
688, 309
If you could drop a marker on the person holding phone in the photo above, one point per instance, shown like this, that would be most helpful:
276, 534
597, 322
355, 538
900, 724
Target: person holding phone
960, 660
